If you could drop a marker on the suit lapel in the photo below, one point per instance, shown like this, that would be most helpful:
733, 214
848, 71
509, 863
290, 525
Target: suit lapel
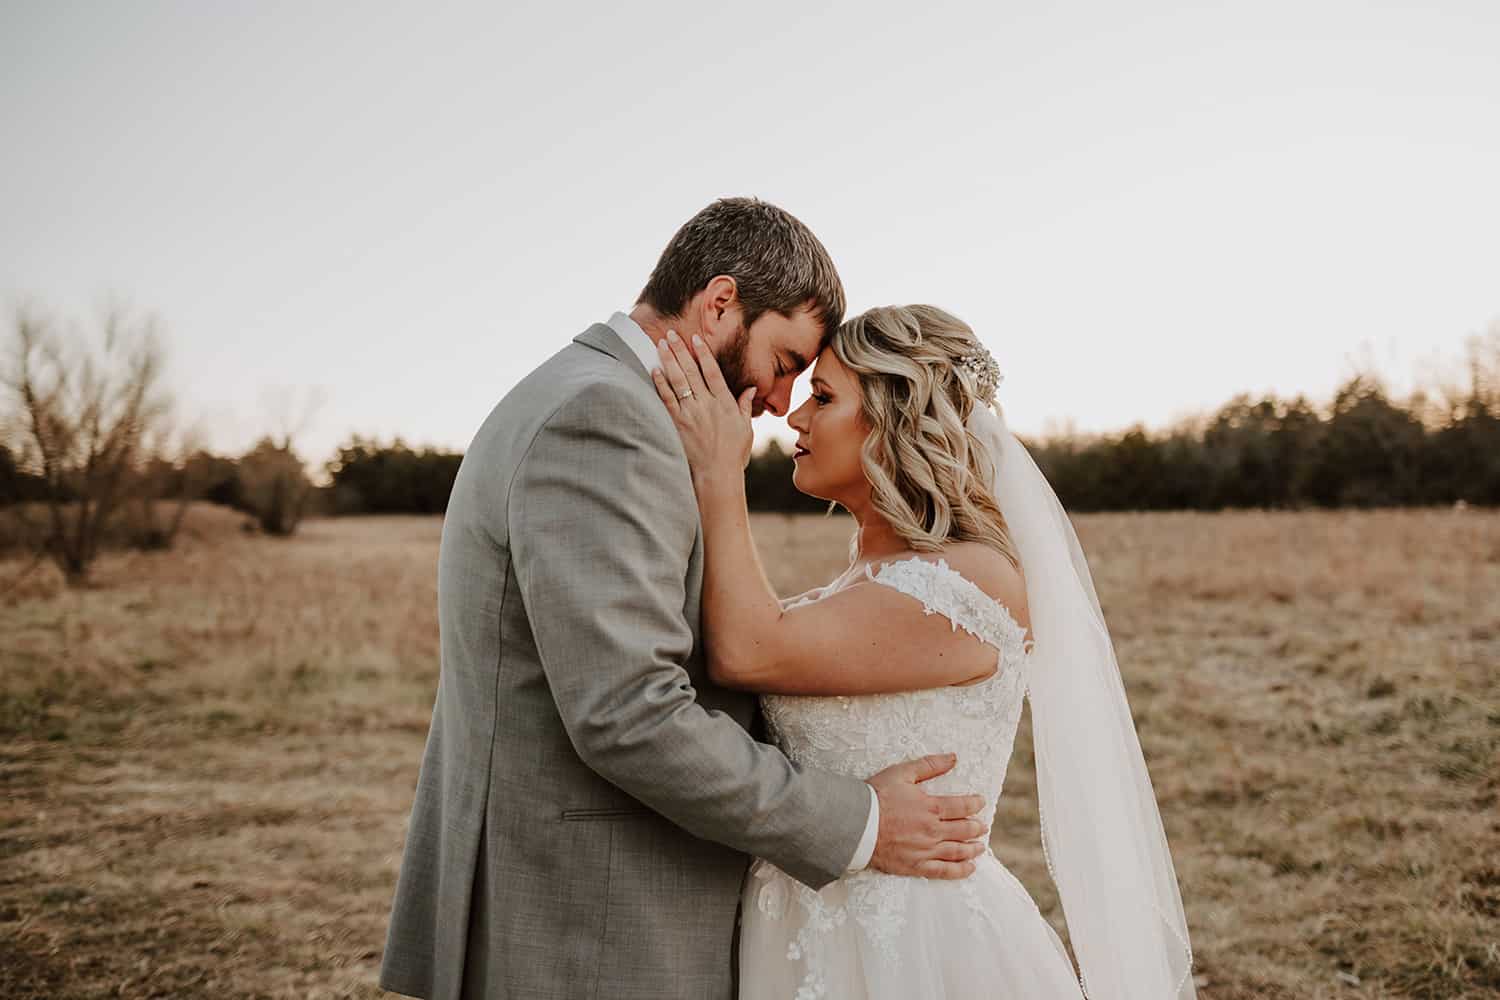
604, 340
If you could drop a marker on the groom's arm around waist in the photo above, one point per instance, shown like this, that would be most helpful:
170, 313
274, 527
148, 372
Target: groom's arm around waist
601, 524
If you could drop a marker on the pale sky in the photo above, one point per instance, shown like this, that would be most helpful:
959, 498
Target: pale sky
1141, 208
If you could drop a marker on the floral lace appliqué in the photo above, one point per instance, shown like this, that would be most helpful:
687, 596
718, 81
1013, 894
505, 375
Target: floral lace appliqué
942, 590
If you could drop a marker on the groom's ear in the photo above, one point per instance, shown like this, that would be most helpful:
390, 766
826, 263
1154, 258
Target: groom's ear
720, 309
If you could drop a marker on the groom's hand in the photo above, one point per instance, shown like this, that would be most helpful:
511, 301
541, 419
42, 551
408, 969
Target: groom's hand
933, 836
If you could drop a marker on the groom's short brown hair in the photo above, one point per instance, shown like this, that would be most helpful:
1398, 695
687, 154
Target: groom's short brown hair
776, 262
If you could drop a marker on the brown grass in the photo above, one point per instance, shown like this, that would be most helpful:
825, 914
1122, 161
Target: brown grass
207, 759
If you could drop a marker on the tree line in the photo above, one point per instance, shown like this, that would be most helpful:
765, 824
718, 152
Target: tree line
1360, 450
1363, 448
91, 453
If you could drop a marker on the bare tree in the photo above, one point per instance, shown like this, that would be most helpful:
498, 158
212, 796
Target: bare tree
84, 411
291, 411
1483, 367
1450, 392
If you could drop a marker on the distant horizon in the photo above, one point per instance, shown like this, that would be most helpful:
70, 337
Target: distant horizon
1362, 360
1399, 393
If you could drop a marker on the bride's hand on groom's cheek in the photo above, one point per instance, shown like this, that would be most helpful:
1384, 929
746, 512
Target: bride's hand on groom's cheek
714, 426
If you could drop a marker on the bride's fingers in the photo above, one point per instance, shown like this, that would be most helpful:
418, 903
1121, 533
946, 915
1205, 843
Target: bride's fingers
712, 376
664, 390
672, 368
689, 364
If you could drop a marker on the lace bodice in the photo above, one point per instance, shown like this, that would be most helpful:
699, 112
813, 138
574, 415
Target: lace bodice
859, 735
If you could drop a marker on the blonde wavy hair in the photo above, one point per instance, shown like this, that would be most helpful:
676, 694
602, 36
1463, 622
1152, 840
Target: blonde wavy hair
929, 477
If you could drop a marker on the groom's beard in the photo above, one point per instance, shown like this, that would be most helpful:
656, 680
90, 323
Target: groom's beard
732, 362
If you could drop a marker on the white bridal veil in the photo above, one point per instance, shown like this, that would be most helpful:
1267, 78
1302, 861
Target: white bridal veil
1101, 830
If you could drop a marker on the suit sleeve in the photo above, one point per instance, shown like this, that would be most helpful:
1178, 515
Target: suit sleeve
602, 522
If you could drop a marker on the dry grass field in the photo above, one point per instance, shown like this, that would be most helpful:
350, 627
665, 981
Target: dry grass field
207, 759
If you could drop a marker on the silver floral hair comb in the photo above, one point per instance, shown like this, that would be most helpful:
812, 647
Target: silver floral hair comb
980, 364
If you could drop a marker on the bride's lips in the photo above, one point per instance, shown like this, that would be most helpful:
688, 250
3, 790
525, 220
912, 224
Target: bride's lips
799, 453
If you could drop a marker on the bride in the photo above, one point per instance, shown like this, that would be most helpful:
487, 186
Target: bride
966, 594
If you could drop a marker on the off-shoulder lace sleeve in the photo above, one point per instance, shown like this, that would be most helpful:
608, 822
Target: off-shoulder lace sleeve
943, 590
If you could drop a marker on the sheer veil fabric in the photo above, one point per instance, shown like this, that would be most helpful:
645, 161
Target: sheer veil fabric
1101, 830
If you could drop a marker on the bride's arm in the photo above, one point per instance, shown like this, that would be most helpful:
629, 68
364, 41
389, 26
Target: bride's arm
863, 639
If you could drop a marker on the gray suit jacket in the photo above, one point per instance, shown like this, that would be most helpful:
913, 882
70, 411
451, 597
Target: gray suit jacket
588, 797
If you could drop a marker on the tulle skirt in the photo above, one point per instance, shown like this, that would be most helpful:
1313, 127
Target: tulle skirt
872, 936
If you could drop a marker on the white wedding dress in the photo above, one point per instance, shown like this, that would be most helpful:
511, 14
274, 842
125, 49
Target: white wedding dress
887, 937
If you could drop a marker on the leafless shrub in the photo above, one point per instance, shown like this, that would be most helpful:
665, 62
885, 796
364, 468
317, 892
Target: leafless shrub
275, 486
273, 479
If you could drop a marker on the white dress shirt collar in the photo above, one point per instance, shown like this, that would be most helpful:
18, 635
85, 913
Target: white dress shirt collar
635, 338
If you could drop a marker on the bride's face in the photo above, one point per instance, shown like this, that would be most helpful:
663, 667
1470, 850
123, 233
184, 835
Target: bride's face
831, 428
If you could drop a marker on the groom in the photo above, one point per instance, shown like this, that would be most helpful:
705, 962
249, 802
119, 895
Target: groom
588, 797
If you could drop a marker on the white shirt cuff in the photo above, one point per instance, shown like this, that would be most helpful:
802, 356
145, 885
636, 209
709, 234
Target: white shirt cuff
866, 849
